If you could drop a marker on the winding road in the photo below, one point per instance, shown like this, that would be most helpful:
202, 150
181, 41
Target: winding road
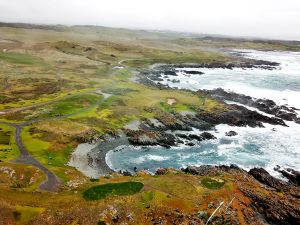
52, 182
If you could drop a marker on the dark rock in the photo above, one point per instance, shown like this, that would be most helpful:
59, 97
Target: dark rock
190, 144
195, 137
167, 139
292, 175
207, 136
146, 138
193, 121
264, 105
231, 133
179, 141
172, 122
239, 116
184, 136
170, 73
157, 79
126, 173
264, 177
192, 72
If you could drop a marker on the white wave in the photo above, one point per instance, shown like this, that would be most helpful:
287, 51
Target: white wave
150, 157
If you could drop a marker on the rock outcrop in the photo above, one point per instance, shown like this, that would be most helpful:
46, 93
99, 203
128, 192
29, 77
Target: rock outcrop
274, 199
265, 105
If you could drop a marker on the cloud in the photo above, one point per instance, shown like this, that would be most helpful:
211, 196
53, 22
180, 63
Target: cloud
267, 18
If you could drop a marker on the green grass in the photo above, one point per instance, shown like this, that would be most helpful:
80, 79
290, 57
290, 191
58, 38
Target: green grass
66, 106
18, 58
5, 137
166, 107
8, 148
74, 104
40, 149
212, 183
124, 74
112, 189
147, 196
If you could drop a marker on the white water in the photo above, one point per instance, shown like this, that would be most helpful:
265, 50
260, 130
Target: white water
264, 147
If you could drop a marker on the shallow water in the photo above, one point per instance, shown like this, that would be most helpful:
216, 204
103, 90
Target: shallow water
264, 147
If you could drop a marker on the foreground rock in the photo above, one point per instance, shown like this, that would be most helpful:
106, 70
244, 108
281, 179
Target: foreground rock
277, 201
264, 177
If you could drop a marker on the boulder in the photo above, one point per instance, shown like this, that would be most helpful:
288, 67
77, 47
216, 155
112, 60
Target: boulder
231, 133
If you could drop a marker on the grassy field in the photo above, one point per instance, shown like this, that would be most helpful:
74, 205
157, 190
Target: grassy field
18, 58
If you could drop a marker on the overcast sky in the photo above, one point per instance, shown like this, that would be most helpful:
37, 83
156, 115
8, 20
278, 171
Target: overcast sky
262, 18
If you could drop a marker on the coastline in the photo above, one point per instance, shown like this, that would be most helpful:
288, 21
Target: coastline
239, 111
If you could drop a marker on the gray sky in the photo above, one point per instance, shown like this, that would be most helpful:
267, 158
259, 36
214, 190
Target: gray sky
262, 18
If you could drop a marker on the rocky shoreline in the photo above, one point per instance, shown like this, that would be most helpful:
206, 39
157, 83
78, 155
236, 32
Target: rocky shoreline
160, 130
265, 105
154, 75
243, 111
276, 200
168, 129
